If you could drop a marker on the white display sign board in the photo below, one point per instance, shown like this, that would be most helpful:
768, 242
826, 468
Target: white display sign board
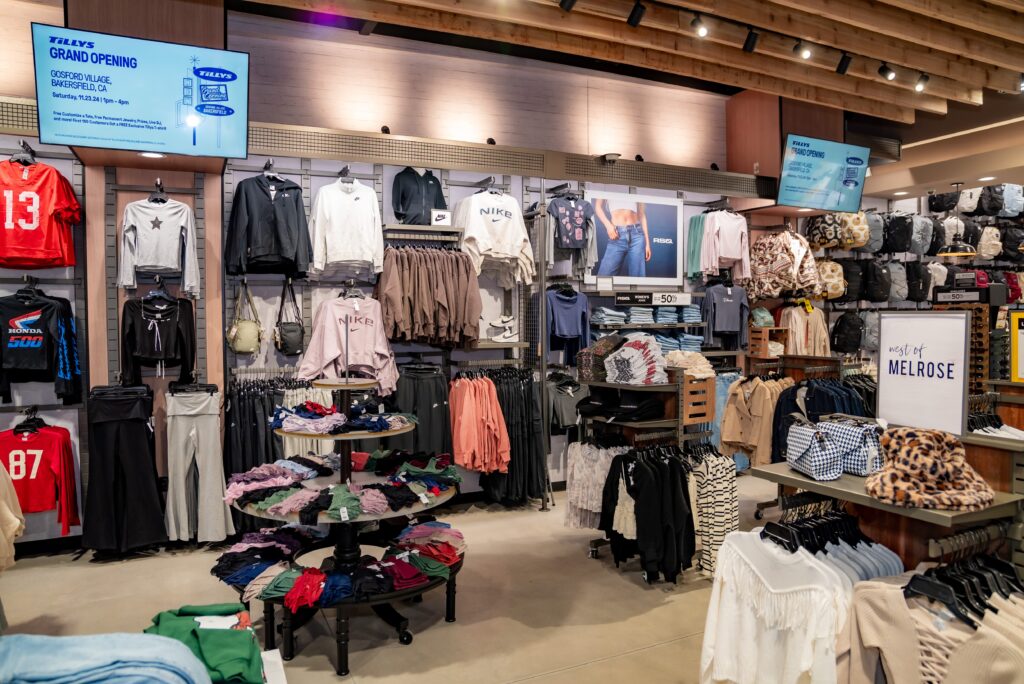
922, 369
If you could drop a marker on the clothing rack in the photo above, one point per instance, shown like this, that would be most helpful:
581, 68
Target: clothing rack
664, 436
487, 363
972, 540
266, 371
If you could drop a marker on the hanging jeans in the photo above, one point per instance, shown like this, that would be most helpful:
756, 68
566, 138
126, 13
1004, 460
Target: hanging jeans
122, 506
629, 251
195, 469
722, 383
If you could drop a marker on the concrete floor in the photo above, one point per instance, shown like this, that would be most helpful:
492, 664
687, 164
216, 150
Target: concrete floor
532, 607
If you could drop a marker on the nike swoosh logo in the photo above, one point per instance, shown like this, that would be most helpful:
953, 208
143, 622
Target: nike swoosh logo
495, 220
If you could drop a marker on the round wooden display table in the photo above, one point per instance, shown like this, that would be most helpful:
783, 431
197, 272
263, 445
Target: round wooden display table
344, 536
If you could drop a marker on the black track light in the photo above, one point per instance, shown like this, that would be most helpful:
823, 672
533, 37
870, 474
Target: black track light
802, 49
698, 27
844, 64
750, 44
638, 158
385, 129
886, 72
922, 83
636, 14
491, 141
567, 5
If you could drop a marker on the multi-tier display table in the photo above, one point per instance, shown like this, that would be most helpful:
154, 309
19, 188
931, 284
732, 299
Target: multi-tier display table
344, 536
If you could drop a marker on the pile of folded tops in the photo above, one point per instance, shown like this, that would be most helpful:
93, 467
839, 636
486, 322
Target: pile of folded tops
116, 658
315, 418
272, 490
219, 635
420, 553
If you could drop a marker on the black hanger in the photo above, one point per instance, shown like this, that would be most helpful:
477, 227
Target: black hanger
928, 587
268, 169
160, 292
26, 157
786, 537
158, 196
192, 388
31, 423
343, 175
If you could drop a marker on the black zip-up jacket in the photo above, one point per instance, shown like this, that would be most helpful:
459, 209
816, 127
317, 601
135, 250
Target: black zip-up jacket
267, 235
413, 196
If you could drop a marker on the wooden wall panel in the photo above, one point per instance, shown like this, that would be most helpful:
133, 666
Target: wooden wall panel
194, 22
96, 286
752, 133
213, 285
339, 79
811, 120
17, 77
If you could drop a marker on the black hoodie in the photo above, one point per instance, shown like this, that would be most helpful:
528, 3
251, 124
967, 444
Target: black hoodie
267, 235
413, 196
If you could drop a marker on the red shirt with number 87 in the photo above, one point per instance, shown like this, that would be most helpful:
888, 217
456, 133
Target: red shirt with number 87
42, 469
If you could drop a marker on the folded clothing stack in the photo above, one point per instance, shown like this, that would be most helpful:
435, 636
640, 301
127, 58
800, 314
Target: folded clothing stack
603, 314
689, 342
695, 363
641, 314
668, 342
219, 635
638, 361
590, 361
689, 314
666, 314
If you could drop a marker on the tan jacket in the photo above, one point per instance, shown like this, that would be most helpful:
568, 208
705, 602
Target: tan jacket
747, 423
12, 521
807, 332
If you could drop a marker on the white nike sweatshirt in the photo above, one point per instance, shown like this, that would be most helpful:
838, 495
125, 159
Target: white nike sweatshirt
345, 228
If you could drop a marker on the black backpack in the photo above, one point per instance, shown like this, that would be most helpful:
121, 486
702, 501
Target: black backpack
846, 333
943, 201
918, 281
853, 274
1012, 239
938, 237
972, 233
877, 282
899, 232
991, 201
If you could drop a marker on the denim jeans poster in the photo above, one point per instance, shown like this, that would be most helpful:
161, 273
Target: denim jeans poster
639, 239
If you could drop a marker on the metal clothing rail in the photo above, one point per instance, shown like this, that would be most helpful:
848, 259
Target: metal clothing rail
972, 540
487, 364
264, 370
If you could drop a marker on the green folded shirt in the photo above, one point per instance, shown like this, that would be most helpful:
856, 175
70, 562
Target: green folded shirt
343, 498
230, 655
280, 585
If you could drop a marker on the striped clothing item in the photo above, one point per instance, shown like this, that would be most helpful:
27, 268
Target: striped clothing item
718, 511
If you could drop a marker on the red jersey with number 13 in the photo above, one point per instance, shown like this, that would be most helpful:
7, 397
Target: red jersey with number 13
42, 469
37, 209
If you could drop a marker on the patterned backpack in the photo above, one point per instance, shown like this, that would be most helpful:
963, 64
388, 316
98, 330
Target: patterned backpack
831, 275
856, 232
825, 231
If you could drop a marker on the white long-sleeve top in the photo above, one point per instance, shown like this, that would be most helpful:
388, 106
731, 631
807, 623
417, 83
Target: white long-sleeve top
725, 244
773, 618
153, 235
345, 228
494, 231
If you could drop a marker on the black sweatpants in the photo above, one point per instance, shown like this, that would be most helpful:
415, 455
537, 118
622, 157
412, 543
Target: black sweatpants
123, 510
425, 395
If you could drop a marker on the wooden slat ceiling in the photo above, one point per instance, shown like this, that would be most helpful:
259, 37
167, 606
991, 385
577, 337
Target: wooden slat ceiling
964, 47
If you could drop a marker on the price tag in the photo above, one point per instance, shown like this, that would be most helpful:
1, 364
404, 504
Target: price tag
423, 498
671, 298
343, 513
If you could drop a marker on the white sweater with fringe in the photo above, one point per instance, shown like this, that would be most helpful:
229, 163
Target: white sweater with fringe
774, 616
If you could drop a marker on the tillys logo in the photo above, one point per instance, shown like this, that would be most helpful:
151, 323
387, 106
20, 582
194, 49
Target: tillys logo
22, 331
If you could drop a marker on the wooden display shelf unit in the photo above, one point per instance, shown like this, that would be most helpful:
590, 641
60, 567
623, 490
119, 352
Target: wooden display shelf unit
760, 337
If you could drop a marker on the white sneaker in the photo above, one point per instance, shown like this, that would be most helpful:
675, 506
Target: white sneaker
505, 321
506, 336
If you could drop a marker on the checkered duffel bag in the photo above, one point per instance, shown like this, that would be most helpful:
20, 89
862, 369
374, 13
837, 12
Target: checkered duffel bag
860, 450
813, 452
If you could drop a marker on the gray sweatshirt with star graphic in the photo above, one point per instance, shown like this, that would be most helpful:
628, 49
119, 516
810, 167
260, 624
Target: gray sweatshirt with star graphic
155, 238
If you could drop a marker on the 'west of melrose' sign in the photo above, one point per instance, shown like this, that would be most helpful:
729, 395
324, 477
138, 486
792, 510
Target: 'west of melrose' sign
922, 369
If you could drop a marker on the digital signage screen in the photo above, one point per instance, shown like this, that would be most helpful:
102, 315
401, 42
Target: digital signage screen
100, 90
821, 174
